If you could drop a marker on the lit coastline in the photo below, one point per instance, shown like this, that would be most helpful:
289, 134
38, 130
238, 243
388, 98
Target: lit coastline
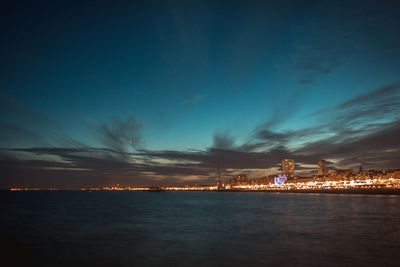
390, 185
339, 181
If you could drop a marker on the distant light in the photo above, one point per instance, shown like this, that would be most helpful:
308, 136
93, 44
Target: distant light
280, 180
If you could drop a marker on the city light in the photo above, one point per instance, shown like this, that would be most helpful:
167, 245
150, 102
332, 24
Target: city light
280, 180
339, 180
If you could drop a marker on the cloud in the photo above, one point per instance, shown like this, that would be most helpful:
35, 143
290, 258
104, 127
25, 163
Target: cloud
385, 93
223, 141
306, 81
361, 131
379, 147
193, 100
331, 33
377, 107
280, 112
168, 167
11, 134
22, 125
270, 136
314, 64
121, 135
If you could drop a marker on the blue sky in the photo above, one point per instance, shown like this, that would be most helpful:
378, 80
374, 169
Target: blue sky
195, 77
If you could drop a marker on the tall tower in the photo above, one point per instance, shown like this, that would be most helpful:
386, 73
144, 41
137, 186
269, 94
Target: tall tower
219, 174
288, 168
322, 167
220, 184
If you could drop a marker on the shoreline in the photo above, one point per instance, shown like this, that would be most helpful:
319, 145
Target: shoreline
359, 191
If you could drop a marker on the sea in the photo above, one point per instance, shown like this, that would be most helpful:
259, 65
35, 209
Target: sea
125, 228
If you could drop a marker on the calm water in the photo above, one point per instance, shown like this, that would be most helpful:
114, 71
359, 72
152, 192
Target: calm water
199, 229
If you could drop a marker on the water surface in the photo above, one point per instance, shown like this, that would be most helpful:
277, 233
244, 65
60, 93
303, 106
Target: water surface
80, 228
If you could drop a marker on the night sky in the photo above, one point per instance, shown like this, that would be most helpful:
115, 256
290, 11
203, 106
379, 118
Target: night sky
95, 93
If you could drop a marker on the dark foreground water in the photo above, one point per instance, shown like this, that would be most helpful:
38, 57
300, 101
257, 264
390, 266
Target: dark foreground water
73, 228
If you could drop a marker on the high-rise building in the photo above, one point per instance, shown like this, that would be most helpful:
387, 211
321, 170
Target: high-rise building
239, 180
288, 168
322, 167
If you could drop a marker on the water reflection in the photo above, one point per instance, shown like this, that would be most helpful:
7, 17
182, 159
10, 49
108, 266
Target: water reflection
202, 228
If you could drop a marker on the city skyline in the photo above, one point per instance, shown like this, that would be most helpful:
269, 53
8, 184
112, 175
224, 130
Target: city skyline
167, 93
288, 168
339, 181
323, 167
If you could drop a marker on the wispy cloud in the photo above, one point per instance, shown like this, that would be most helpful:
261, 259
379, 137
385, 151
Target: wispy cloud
306, 81
121, 135
361, 131
193, 100
388, 94
335, 33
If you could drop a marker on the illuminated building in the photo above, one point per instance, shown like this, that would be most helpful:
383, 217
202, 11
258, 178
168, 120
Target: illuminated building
240, 180
322, 167
280, 180
288, 168
344, 174
265, 180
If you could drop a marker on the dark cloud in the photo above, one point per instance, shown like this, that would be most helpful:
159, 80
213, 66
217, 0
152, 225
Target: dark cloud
280, 112
389, 91
121, 135
330, 33
193, 100
380, 147
313, 64
272, 139
308, 81
377, 107
361, 131
168, 167
12, 110
11, 133
228, 159
24, 126
275, 137
223, 141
